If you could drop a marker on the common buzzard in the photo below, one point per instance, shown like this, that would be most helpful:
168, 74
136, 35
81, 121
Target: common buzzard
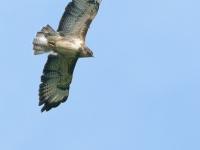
67, 46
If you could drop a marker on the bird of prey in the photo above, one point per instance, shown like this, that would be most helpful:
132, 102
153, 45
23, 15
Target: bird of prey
66, 45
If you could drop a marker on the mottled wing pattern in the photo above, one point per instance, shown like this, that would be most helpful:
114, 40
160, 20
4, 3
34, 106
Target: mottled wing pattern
56, 79
77, 18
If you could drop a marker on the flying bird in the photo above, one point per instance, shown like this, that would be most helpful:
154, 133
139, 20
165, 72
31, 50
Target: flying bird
66, 45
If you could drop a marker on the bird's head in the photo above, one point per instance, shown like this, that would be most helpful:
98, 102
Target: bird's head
85, 52
89, 53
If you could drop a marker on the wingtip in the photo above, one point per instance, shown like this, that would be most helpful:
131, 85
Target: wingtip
43, 109
48, 107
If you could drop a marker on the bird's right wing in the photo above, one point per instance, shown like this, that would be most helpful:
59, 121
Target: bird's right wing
56, 80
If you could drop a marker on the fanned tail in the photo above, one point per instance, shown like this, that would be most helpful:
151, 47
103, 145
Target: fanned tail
40, 43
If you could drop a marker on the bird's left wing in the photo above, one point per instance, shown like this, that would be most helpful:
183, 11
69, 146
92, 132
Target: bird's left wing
56, 79
77, 18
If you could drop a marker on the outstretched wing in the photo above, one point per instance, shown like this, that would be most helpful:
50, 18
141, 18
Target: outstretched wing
56, 79
77, 18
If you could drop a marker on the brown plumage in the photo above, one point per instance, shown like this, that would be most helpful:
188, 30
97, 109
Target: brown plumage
67, 46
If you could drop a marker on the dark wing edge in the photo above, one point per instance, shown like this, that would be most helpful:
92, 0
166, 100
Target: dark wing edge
77, 18
56, 80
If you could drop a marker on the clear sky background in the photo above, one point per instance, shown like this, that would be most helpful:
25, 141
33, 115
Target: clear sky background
141, 91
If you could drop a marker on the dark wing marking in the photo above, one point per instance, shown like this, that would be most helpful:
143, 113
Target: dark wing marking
56, 79
77, 18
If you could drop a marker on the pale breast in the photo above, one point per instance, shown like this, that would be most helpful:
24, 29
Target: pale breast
68, 45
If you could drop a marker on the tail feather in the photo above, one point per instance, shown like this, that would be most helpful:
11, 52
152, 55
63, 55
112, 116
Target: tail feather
49, 30
40, 49
40, 34
40, 43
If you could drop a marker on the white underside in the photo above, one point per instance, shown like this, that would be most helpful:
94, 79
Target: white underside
70, 47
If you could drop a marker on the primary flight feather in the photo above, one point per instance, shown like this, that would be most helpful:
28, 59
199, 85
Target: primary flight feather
66, 45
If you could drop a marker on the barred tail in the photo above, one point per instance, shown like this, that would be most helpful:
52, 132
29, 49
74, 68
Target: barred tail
40, 43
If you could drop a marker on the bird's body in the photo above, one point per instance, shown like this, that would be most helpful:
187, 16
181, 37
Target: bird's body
64, 45
67, 45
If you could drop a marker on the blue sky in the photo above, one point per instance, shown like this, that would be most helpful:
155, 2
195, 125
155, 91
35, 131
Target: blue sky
141, 91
